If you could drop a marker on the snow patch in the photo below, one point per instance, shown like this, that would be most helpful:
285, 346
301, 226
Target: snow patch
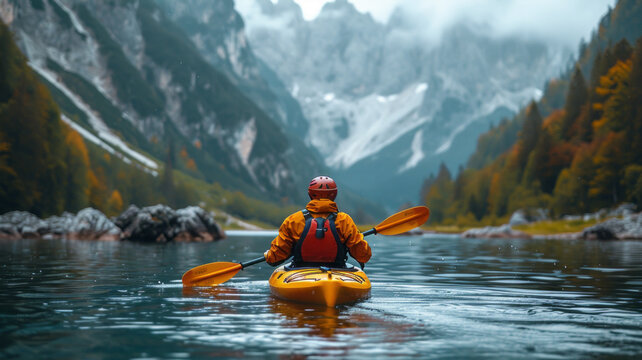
371, 124
87, 135
421, 88
417, 152
245, 141
503, 98
74, 20
99, 126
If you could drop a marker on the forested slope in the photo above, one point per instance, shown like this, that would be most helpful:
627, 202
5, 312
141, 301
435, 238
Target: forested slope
582, 157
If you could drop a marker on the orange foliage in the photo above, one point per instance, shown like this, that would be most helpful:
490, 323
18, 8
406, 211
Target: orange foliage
553, 123
197, 144
191, 165
184, 153
495, 188
115, 202
613, 87
75, 141
561, 155
97, 188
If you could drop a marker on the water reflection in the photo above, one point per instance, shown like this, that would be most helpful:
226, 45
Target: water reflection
320, 320
432, 297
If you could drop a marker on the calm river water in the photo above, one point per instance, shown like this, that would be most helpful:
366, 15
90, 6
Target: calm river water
432, 297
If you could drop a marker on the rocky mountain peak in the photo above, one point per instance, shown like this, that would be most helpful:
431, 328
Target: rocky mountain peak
338, 8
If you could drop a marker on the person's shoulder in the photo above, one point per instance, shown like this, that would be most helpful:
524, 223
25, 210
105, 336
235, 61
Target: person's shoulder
343, 216
295, 216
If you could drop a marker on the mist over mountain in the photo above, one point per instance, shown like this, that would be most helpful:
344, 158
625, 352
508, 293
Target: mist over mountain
385, 105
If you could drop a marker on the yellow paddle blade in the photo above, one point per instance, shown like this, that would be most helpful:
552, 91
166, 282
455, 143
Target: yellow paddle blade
403, 221
211, 274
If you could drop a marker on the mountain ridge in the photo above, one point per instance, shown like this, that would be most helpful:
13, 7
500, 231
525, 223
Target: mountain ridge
343, 63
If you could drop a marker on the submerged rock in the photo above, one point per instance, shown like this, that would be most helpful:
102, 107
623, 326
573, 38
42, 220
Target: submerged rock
157, 223
627, 227
504, 231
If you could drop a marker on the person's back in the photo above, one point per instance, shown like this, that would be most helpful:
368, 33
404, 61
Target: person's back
319, 235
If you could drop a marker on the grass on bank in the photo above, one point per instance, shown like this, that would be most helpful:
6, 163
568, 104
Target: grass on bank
549, 227
552, 227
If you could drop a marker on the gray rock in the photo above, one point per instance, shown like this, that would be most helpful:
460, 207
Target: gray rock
24, 223
527, 216
623, 210
88, 224
504, 231
157, 223
58, 226
160, 223
124, 219
628, 227
195, 224
91, 224
518, 218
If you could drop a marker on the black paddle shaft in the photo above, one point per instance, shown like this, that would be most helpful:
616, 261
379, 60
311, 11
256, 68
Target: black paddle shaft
370, 232
252, 262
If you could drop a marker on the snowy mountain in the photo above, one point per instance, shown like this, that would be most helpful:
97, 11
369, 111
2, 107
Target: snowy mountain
387, 105
130, 79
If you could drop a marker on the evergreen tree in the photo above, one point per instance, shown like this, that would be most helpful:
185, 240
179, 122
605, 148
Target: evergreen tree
529, 136
440, 194
622, 50
635, 80
576, 98
167, 181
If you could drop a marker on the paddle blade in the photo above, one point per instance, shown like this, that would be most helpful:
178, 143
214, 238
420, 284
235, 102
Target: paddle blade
403, 221
211, 274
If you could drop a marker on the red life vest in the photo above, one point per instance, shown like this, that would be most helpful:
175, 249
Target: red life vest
320, 243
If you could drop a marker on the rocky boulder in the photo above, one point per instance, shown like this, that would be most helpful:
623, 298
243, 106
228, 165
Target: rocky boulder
527, 216
91, 224
88, 224
157, 223
21, 224
504, 231
627, 227
160, 223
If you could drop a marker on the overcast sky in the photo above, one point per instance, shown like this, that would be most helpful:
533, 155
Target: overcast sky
564, 22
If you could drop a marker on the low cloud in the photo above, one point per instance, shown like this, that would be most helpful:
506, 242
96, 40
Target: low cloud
559, 23
552, 21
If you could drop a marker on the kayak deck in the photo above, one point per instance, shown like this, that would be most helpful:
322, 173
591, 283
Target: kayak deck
320, 285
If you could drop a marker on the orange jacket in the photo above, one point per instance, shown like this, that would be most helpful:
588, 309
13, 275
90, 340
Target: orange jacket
292, 228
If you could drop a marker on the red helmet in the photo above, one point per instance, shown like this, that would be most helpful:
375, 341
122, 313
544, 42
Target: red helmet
322, 187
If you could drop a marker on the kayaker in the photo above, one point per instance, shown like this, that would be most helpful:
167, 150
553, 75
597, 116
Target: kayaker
319, 235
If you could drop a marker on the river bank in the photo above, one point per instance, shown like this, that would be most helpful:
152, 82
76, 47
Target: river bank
627, 226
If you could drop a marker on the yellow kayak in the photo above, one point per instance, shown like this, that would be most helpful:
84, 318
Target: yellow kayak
320, 285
